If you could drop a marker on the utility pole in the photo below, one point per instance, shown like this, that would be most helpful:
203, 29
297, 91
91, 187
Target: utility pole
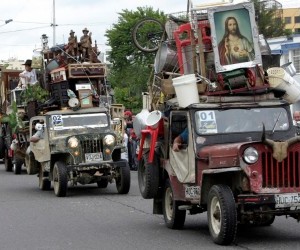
54, 24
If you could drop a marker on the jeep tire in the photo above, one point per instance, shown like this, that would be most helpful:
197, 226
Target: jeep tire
17, 165
174, 218
44, 183
7, 161
60, 179
148, 177
123, 179
221, 214
31, 164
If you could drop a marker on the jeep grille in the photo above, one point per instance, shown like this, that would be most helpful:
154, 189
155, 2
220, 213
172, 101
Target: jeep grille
283, 174
92, 145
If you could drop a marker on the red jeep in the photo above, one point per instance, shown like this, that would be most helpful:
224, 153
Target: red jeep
241, 164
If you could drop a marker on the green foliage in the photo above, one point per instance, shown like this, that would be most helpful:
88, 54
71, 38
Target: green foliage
269, 20
34, 93
13, 119
130, 67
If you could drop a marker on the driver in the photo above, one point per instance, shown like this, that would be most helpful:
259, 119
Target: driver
180, 139
39, 134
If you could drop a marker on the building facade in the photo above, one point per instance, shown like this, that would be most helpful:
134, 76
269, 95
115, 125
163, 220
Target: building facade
288, 48
291, 18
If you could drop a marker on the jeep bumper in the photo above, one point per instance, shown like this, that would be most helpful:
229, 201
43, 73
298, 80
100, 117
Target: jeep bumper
278, 204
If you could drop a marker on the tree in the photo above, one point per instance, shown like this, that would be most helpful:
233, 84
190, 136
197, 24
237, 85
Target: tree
269, 19
130, 66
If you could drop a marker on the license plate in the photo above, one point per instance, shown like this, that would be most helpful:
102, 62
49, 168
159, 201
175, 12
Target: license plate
93, 157
287, 200
192, 192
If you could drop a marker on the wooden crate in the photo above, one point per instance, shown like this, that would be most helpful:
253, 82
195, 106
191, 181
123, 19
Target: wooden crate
91, 70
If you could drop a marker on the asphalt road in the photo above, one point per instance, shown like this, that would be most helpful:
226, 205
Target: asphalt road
91, 218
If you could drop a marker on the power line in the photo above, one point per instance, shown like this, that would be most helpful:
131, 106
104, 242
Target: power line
41, 27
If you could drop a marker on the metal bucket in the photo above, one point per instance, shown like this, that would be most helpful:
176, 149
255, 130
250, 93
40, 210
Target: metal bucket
290, 68
52, 65
165, 59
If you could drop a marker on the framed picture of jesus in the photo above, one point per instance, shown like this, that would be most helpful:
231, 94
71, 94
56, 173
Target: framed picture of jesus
234, 37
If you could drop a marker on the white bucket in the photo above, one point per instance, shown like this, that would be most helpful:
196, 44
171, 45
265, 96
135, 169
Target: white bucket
186, 90
153, 119
139, 122
280, 79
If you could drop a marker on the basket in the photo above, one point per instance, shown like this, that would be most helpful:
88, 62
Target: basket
276, 76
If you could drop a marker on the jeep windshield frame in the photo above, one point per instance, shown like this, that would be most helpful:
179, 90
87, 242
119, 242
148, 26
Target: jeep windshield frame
74, 124
241, 120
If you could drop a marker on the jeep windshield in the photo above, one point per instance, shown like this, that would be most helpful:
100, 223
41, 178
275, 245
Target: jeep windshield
241, 120
77, 124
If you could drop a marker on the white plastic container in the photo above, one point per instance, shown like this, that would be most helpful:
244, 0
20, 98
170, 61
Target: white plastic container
186, 90
280, 79
153, 119
139, 122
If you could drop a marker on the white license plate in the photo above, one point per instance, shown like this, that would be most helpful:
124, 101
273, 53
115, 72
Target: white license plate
192, 192
93, 157
287, 200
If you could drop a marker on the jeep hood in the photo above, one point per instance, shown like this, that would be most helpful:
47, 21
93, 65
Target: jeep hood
221, 155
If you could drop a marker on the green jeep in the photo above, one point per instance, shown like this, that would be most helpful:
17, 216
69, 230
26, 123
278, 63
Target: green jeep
77, 147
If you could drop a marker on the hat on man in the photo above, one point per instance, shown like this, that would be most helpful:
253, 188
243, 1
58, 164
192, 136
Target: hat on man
28, 62
85, 29
72, 32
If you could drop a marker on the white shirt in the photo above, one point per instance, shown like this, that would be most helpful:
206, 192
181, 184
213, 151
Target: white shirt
28, 77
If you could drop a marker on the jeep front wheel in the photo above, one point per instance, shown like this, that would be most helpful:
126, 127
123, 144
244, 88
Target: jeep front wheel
148, 177
221, 214
174, 218
7, 161
60, 179
123, 179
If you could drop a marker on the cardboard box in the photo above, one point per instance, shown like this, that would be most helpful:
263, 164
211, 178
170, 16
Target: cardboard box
85, 97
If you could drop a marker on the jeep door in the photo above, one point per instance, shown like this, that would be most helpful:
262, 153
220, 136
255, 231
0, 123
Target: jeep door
183, 161
41, 148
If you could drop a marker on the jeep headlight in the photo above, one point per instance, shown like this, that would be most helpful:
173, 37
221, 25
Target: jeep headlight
109, 140
250, 155
73, 142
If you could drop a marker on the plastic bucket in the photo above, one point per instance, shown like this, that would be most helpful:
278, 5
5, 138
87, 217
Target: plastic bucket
139, 122
52, 65
280, 79
153, 119
186, 90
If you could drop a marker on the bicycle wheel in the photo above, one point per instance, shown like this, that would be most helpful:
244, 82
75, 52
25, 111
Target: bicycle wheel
147, 34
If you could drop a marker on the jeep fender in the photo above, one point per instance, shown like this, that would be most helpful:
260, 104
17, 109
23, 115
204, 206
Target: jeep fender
227, 176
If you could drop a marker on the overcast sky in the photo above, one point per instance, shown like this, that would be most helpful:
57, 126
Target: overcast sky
32, 18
